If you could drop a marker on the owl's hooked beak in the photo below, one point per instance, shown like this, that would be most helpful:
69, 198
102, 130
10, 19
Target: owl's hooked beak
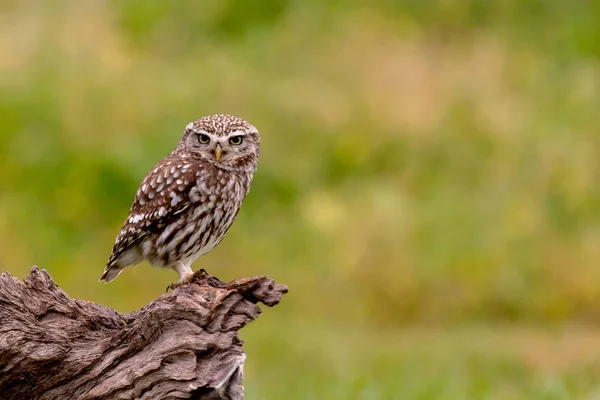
218, 152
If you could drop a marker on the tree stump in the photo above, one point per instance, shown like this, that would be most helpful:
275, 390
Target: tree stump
183, 345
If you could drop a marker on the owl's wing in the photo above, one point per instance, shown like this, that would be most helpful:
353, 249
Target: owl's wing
162, 196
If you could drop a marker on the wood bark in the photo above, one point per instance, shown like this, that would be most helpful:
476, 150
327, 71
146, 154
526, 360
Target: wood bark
183, 345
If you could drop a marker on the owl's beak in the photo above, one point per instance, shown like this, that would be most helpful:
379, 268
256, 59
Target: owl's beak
218, 152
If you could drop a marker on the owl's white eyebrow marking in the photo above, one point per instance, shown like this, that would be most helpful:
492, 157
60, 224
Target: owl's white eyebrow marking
237, 133
197, 131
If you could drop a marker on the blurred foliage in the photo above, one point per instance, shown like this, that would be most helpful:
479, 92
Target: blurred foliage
423, 162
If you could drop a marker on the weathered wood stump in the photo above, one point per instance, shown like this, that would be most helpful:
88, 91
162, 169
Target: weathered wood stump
182, 345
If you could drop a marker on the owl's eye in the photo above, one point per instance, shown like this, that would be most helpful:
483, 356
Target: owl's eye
236, 140
204, 139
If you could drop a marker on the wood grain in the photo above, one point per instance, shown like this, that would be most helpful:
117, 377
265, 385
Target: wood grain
182, 345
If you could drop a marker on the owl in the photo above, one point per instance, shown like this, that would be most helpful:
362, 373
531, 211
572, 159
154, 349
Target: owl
186, 204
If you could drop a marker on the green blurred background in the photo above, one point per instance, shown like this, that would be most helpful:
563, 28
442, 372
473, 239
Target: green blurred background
429, 181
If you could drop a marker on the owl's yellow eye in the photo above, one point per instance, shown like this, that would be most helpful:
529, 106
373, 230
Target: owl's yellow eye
204, 139
236, 140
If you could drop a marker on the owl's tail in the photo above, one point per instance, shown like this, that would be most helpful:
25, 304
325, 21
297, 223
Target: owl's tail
119, 261
111, 273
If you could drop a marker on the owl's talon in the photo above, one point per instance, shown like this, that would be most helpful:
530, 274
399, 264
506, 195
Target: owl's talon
174, 285
201, 273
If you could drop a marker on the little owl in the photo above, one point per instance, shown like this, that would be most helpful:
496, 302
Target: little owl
187, 202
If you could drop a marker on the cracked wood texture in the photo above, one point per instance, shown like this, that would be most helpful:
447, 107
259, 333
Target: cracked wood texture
183, 345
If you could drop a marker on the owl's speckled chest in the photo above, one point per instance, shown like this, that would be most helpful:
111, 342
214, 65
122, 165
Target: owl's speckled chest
215, 200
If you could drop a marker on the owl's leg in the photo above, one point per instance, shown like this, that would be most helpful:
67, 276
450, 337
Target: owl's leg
185, 275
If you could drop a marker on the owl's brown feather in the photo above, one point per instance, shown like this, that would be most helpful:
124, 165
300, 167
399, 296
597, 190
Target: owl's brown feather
163, 194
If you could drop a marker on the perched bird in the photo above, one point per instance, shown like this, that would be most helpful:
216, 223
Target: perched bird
187, 202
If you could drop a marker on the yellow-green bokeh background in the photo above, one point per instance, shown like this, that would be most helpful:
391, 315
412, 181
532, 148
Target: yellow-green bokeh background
428, 187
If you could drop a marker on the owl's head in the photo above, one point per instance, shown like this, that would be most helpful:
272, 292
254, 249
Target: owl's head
222, 140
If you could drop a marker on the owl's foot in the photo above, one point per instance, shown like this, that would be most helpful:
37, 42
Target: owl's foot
200, 276
203, 278
186, 275
201, 273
